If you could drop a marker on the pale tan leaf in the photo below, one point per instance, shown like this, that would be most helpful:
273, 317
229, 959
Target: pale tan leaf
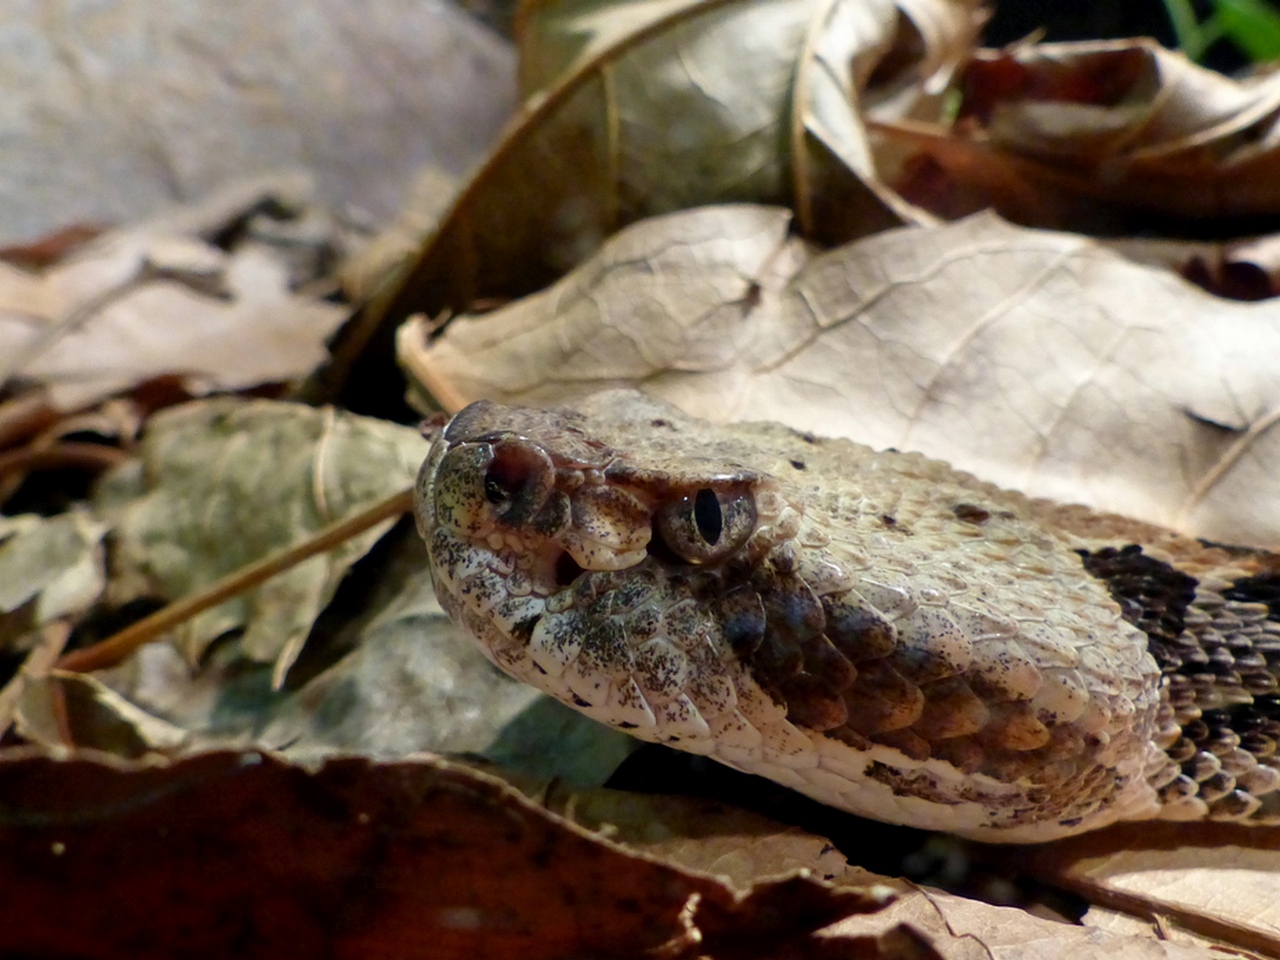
642, 109
73, 709
1122, 924
1216, 881
368, 267
225, 482
1039, 361
844, 45
946, 34
740, 847
609, 322
558, 38
158, 298
961, 929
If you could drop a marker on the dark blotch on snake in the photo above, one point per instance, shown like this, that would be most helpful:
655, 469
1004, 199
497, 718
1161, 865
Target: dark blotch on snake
1153, 596
1264, 588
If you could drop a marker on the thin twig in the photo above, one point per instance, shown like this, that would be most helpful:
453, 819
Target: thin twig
24, 416
115, 648
72, 453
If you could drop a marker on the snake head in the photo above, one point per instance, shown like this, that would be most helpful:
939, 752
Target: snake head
604, 578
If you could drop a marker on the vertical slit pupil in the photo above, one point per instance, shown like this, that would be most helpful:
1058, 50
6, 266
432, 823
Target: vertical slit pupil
707, 515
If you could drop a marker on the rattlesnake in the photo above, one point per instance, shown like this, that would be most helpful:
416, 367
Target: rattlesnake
875, 629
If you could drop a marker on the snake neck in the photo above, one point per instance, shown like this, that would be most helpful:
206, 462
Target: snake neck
1216, 639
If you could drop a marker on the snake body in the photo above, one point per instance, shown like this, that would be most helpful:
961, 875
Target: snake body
875, 629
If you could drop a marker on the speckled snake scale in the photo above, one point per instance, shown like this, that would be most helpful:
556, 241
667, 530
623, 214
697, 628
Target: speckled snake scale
875, 629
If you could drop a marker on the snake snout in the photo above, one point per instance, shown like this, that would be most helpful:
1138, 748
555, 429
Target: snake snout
518, 480
503, 483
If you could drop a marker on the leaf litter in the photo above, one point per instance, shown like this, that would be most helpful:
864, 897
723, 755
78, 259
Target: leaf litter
1093, 135
354, 657
223, 482
161, 297
596, 147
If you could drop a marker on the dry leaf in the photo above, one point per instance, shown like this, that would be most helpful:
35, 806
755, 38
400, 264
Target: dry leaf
1122, 924
225, 482
258, 858
121, 108
362, 273
1217, 881
1039, 361
960, 929
70, 709
736, 845
221, 703
1084, 134
641, 108
39, 661
49, 568
160, 298
413, 682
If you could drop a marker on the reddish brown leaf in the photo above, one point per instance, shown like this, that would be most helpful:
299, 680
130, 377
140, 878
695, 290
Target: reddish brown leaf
1090, 135
242, 855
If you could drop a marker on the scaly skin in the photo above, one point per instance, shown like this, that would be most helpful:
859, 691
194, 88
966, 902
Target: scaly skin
877, 630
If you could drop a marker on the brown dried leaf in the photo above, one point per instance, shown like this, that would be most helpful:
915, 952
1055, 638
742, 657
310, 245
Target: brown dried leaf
1083, 134
354, 860
1039, 361
642, 109
160, 298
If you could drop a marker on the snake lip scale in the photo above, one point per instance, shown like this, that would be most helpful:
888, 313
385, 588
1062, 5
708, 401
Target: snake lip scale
874, 629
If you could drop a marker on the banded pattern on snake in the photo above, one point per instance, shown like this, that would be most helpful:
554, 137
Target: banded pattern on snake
875, 629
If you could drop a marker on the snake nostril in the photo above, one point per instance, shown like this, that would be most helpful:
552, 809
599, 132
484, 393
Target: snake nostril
517, 479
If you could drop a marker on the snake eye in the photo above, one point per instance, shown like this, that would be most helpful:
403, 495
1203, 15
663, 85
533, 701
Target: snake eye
707, 526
